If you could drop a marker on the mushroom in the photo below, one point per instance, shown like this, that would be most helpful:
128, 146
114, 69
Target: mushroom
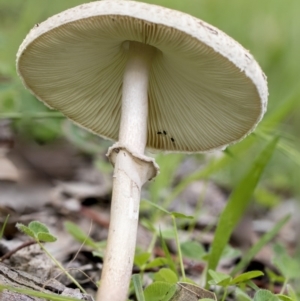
145, 76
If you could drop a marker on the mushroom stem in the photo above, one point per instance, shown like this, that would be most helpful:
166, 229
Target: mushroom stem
133, 127
130, 173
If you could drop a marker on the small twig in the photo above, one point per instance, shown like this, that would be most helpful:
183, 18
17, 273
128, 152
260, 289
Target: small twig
96, 217
22, 246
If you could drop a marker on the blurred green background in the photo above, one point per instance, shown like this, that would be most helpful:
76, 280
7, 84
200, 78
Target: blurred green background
269, 29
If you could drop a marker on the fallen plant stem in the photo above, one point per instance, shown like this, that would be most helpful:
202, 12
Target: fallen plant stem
22, 246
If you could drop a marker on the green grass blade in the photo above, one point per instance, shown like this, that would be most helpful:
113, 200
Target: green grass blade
79, 235
3, 226
178, 248
284, 145
246, 277
258, 246
33, 293
273, 119
157, 207
237, 204
138, 287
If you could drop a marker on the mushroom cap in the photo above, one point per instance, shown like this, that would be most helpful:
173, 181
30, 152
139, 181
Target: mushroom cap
205, 90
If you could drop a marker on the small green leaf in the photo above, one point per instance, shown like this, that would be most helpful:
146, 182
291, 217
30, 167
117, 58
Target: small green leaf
166, 275
246, 276
285, 298
230, 253
241, 295
46, 237
158, 291
148, 225
193, 250
264, 295
170, 293
168, 233
274, 277
288, 266
37, 227
181, 215
25, 230
141, 259
219, 278
157, 262
252, 285
37, 230
292, 293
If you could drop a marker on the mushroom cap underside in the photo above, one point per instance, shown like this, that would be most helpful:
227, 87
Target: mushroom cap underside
205, 90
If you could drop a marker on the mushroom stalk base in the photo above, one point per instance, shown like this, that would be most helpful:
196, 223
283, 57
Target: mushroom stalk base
131, 170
